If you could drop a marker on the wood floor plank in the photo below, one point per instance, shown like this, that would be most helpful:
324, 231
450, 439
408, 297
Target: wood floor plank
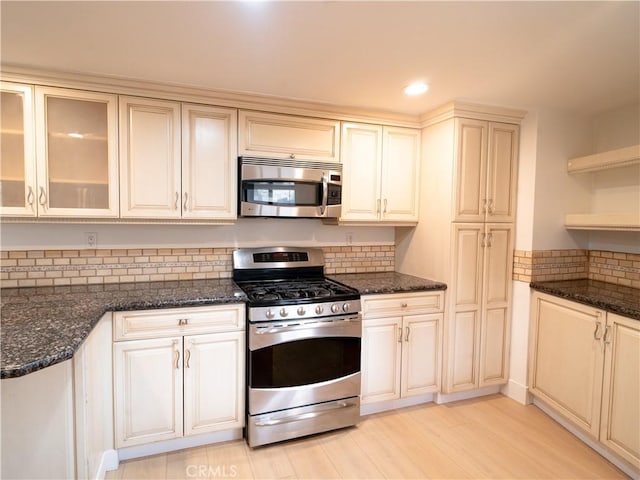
487, 438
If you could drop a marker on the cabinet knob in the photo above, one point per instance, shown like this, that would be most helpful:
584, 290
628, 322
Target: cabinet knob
404, 305
292, 156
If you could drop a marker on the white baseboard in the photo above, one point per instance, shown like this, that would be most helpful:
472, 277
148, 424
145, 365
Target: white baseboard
178, 444
370, 408
601, 449
108, 462
457, 396
518, 392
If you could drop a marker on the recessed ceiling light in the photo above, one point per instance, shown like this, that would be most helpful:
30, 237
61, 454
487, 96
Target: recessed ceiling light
416, 88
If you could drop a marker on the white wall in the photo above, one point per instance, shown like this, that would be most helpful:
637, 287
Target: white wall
617, 128
247, 232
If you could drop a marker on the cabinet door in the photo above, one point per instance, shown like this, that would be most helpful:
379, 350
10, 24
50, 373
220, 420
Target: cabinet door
620, 425
470, 196
421, 354
76, 138
17, 158
496, 309
209, 169
502, 172
381, 359
288, 136
567, 359
462, 336
149, 158
400, 176
213, 382
147, 390
361, 154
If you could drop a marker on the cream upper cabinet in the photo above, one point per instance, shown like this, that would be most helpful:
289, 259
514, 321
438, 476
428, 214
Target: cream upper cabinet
401, 338
209, 152
477, 331
76, 141
381, 172
17, 156
567, 358
288, 136
620, 423
485, 171
150, 165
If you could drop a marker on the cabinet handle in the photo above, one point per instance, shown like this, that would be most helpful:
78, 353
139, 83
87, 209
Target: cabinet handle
384, 210
605, 337
489, 240
177, 200
483, 241
186, 200
404, 305
177, 358
491, 207
183, 321
187, 356
292, 156
30, 198
595, 332
42, 198
378, 206
485, 205
399, 334
408, 330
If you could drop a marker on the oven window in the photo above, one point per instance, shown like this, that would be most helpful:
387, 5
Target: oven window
282, 193
304, 362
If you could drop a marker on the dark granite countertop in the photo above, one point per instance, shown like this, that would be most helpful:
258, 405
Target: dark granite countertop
386, 282
42, 326
614, 298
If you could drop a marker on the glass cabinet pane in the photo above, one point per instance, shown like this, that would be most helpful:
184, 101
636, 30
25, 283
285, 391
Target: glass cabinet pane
77, 153
12, 142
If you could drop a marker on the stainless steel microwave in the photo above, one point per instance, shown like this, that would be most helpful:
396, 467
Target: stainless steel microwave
289, 188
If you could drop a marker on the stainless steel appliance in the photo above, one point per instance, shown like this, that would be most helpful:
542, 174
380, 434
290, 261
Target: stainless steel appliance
304, 340
289, 188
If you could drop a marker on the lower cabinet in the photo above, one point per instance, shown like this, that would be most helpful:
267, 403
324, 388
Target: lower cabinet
178, 384
585, 364
401, 338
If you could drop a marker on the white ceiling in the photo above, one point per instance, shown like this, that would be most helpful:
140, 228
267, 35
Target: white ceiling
575, 56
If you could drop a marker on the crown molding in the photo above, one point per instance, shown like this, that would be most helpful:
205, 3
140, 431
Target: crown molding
195, 94
471, 110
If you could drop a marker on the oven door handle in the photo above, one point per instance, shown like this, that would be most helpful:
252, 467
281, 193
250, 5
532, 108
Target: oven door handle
331, 408
269, 335
325, 194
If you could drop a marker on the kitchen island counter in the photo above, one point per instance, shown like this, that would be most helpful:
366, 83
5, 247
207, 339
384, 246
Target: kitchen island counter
42, 326
386, 282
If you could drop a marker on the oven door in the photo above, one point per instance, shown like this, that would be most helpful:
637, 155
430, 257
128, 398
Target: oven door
302, 362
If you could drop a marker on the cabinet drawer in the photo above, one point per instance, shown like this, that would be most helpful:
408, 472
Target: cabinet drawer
177, 321
402, 303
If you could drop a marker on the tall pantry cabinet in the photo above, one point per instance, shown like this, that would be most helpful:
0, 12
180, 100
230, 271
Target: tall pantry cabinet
465, 236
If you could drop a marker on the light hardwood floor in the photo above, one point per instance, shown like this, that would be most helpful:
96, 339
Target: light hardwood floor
489, 438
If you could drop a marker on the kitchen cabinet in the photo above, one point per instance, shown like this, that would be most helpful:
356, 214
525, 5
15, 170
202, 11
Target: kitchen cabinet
477, 331
381, 172
178, 372
612, 181
583, 364
401, 338
177, 160
485, 171
17, 156
292, 137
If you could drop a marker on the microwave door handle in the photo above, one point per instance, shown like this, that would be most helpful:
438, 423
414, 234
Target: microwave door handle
325, 194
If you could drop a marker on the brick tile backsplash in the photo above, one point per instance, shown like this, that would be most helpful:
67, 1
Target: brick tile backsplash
28, 268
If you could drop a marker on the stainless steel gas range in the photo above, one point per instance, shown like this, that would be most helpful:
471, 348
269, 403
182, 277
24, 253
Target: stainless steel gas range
304, 338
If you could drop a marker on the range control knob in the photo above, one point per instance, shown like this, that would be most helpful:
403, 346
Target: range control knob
283, 312
335, 308
269, 314
346, 307
301, 311
319, 309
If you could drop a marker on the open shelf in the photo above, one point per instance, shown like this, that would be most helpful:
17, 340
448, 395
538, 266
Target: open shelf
603, 221
605, 160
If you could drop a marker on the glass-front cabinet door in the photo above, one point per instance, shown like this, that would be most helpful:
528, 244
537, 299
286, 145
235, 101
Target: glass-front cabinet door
76, 141
17, 159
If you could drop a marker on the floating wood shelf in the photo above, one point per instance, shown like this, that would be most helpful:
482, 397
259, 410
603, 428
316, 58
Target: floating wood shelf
605, 160
600, 221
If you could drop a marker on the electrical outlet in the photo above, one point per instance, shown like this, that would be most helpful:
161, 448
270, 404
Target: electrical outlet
91, 239
349, 238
